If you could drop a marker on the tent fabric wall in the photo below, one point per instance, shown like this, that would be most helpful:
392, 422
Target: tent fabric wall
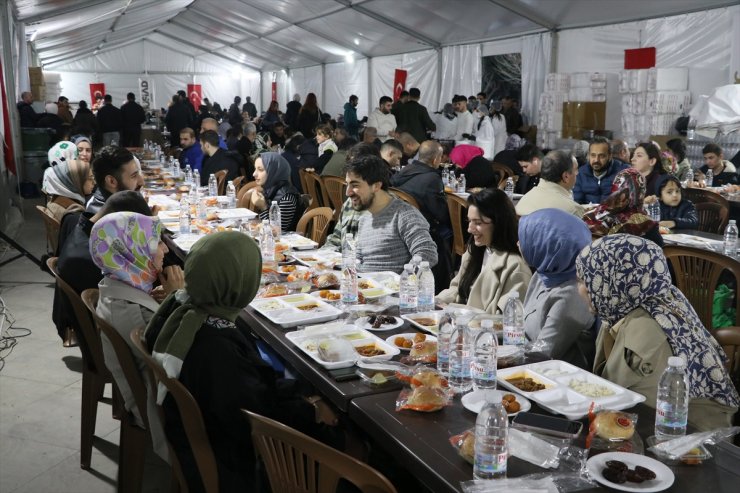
461, 72
343, 80
536, 53
301, 81
422, 73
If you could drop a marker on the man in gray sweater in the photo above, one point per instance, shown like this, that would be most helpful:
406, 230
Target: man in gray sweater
394, 231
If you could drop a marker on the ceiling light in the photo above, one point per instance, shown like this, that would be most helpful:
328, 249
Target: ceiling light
357, 41
33, 36
349, 57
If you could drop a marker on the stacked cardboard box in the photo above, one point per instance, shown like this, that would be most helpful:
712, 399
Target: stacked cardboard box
38, 87
580, 117
550, 124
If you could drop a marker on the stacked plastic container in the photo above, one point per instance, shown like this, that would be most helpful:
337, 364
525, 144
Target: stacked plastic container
550, 125
587, 87
53, 85
652, 100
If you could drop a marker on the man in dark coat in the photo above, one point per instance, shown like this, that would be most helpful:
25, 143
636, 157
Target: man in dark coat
249, 107
218, 158
178, 117
414, 118
235, 116
110, 121
27, 113
133, 116
291, 111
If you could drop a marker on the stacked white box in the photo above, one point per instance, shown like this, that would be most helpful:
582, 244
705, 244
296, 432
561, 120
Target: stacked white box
639, 80
625, 77
550, 123
587, 86
668, 102
668, 79
556, 100
557, 82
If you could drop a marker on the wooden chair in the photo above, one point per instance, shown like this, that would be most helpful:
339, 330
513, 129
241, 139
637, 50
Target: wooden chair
702, 195
457, 207
133, 439
192, 420
52, 228
408, 198
503, 173
319, 220
296, 462
713, 217
315, 188
94, 372
696, 274
238, 182
336, 188
221, 180
729, 339
247, 186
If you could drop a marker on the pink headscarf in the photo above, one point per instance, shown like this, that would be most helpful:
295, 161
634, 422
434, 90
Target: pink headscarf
462, 154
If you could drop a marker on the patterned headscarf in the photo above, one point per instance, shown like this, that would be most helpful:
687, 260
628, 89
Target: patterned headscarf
62, 152
622, 211
222, 275
123, 245
625, 272
67, 179
550, 240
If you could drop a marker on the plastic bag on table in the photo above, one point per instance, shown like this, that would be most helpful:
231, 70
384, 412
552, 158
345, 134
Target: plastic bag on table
422, 376
677, 447
424, 399
535, 483
612, 431
422, 352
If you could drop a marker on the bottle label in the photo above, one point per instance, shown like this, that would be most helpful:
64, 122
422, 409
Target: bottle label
670, 416
483, 371
514, 335
490, 464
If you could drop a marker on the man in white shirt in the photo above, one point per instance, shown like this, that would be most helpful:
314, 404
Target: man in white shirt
554, 191
465, 119
383, 120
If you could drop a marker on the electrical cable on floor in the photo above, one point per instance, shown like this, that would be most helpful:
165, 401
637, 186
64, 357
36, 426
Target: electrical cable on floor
8, 340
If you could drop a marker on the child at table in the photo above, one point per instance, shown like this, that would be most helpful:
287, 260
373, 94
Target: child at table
675, 211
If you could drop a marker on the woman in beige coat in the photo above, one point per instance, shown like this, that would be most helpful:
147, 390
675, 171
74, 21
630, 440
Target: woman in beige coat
627, 282
492, 266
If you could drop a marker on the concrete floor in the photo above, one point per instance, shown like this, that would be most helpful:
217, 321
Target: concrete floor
40, 389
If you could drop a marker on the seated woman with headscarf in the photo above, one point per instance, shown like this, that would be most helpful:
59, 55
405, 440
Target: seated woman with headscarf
194, 337
67, 182
128, 249
272, 174
492, 266
626, 280
477, 170
622, 211
555, 316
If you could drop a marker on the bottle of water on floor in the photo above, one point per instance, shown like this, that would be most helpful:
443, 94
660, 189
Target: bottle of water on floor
731, 238
409, 291
348, 283
491, 434
514, 321
212, 186
426, 288
275, 219
483, 368
672, 406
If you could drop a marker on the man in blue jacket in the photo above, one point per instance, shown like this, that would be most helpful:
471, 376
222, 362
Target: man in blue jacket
351, 124
594, 181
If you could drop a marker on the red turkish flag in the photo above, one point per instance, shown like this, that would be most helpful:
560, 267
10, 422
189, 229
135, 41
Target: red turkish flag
8, 141
195, 95
399, 83
274, 91
97, 93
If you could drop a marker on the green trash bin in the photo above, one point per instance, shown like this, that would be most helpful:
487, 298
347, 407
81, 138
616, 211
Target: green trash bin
36, 139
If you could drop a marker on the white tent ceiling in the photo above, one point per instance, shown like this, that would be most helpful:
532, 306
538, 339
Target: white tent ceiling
275, 34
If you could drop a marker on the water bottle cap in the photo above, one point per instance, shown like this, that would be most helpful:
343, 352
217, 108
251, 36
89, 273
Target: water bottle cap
732, 221
514, 295
676, 361
486, 323
274, 201
424, 264
265, 221
407, 267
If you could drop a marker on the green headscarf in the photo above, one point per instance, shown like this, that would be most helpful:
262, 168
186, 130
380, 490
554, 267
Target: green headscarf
222, 275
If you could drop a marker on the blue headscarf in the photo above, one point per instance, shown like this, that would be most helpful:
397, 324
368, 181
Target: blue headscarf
626, 272
550, 240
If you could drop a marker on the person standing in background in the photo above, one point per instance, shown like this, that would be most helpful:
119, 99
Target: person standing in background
133, 116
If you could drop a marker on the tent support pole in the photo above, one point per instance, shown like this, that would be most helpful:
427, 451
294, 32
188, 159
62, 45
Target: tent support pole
439, 76
369, 85
10, 93
555, 40
259, 112
323, 86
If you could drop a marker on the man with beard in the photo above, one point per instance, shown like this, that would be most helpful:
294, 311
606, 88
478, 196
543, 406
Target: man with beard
393, 231
115, 169
594, 181
383, 120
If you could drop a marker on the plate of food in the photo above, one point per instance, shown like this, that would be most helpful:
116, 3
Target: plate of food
298, 242
328, 295
625, 471
426, 321
514, 404
379, 323
405, 342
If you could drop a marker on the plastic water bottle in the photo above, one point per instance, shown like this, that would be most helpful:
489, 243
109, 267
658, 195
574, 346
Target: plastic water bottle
189, 174
275, 219
212, 186
348, 283
653, 211
196, 178
509, 188
462, 184
731, 238
491, 434
231, 194
416, 264
672, 405
483, 368
446, 327
184, 215
201, 209
689, 178
445, 177
709, 178
426, 288
691, 129
461, 353
409, 291
514, 321
176, 169
114, 143
267, 244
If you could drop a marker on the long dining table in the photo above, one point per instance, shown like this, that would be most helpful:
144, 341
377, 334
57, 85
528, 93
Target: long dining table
420, 441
